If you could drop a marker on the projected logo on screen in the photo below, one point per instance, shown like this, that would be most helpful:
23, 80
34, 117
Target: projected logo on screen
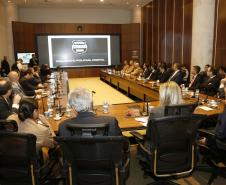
79, 46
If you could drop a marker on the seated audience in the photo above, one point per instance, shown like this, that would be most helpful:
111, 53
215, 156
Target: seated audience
146, 71
164, 74
8, 102
196, 79
5, 68
30, 121
185, 73
16, 87
30, 87
130, 68
169, 94
211, 86
80, 100
137, 70
177, 75
153, 74
125, 66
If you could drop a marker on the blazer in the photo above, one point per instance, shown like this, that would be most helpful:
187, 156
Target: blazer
163, 77
153, 75
28, 86
197, 83
89, 118
42, 130
17, 89
220, 130
211, 86
146, 73
5, 108
177, 77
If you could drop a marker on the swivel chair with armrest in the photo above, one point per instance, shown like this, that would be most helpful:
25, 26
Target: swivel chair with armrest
94, 160
168, 150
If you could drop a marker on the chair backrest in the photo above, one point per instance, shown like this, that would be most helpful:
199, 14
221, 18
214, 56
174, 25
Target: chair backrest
93, 160
181, 109
8, 125
172, 142
100, 129
18, 162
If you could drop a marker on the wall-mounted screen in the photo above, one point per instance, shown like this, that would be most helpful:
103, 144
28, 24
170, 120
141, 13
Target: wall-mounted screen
79, 50
25, 57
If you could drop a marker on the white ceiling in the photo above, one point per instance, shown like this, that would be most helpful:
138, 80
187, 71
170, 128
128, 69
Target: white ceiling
124, 4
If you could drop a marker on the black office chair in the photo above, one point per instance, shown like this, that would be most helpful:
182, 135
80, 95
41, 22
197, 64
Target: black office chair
213, 155
18, 161
94, 160
8, 125
169, 148
181, 109
88, 129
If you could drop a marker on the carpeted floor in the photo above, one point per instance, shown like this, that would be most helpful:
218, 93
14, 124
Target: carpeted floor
103, 91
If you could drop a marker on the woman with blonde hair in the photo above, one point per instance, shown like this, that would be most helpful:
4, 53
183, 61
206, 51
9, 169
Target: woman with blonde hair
169, 94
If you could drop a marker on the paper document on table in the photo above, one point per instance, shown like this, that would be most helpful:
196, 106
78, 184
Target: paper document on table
142, 120
205, 108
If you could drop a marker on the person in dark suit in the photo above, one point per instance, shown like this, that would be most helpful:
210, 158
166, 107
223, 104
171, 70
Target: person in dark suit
146, 71
196, 80
211, 86
5, 68
163, 75
177, 75
153, 74
33, 61
28, 84
7, 105
80, 100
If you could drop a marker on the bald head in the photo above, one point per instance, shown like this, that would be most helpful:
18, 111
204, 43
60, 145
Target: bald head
13, 76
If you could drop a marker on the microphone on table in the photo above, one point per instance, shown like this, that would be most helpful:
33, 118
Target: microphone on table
93, 92
206, 99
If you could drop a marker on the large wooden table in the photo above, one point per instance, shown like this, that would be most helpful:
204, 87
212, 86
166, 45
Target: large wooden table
143, 91
120, 110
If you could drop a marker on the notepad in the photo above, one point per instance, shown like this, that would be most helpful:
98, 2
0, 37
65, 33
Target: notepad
205, 108
143, 120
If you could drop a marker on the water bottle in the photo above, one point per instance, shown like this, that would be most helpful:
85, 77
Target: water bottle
197, 93
105, 107
183, 89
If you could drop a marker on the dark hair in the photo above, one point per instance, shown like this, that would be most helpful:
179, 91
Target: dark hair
197, 69
29, 71
178, 65
162, 66
5, 86
26, 108
207, 65
213, 70
223, 69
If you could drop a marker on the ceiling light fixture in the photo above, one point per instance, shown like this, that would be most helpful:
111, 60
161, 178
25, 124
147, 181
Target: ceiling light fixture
101, 0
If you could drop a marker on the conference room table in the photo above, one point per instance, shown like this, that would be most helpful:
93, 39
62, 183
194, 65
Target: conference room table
121, 111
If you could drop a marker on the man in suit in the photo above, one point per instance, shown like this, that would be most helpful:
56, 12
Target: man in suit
196, 80
211, 86
154, 73
5, 68
80, 100
16, 87
27, 83
33, 61
177, 75
7, 106
164, 74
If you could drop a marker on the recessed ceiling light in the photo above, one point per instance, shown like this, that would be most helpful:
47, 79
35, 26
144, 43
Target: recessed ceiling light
101, 0
137, 5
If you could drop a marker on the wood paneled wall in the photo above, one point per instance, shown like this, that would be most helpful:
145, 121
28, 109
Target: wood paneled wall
24, 36
219, 54
167, 31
